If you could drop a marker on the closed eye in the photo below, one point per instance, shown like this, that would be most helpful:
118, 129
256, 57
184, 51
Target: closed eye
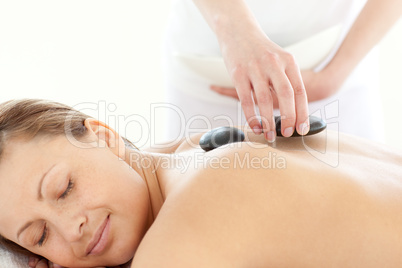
68, 189
63, 195
43, 237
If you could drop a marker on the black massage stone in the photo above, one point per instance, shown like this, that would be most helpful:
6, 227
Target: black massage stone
220, 136
224, 135
316, 126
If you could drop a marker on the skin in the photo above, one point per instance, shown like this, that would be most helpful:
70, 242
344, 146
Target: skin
255, 63
103, 185
308, 213
261, 68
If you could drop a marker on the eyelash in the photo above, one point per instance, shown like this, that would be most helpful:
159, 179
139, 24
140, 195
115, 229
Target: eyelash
64, 195
68, 190
43, 237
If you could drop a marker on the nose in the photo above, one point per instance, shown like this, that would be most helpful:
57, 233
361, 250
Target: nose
70, 223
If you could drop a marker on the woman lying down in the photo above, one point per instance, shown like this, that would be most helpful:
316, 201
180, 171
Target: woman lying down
84, 199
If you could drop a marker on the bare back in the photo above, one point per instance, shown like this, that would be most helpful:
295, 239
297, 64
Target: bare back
327, 201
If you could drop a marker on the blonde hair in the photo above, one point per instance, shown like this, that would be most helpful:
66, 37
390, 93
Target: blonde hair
26, 118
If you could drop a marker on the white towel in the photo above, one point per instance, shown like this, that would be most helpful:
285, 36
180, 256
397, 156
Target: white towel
9, 259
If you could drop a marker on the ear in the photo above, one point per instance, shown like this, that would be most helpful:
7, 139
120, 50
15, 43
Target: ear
105, 136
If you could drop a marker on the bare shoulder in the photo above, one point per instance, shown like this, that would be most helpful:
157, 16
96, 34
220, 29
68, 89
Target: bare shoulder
239, 211
231, 213
180, 235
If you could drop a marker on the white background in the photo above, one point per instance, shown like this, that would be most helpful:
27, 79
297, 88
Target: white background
108, 53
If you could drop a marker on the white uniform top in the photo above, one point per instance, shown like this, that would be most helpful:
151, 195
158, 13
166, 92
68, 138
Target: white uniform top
355, 108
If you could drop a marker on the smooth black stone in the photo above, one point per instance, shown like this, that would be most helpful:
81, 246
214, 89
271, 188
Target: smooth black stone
220, 136
316, 126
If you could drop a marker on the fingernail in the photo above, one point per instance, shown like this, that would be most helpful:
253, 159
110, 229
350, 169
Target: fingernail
270, 136
257, 130
288, 132
303, 128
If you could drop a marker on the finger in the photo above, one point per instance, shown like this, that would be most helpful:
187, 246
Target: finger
264, 98
254, 97
227, 91
274, 99
285, 95
32, 261
301, 102
243, 88
42, 264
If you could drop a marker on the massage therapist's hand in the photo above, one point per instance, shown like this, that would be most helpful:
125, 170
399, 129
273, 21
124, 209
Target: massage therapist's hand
322, 84
319, 85
35, 262
258, 65
373, 22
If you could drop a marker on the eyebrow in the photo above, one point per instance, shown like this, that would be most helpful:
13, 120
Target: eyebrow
40, 197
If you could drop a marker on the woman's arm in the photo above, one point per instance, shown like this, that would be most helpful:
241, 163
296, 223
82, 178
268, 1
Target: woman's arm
373, 22
375, 19
255, 63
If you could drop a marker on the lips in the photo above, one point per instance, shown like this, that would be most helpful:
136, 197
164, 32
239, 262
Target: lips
100, 238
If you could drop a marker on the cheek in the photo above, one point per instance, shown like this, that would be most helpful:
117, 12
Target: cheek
126, 239
111, 182
56, 250
127, 197
127, 189
117, 188
134, 203
130, 220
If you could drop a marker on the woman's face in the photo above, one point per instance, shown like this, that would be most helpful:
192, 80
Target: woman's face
77, 207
